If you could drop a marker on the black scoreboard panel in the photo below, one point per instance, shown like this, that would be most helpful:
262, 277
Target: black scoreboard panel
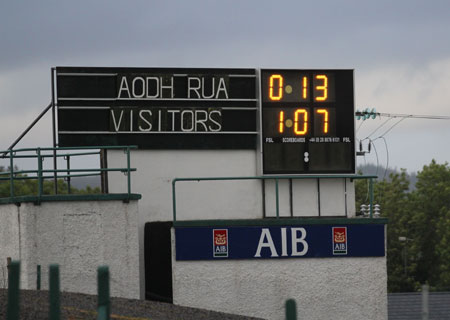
307, 116
307, 121
157, 108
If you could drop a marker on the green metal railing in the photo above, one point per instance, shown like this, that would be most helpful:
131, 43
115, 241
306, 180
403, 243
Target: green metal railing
40, 174
103, 294
54, 294
291, 309
276, 178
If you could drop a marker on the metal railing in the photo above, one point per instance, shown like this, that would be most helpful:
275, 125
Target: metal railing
40, 174
54, 310
276, 178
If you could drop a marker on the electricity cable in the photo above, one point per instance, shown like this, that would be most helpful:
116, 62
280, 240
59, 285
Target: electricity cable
414, 116
392, 127
379, 127
376, 154
359, 126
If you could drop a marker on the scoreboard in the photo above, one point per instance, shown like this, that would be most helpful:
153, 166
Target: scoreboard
307, 121
301, 120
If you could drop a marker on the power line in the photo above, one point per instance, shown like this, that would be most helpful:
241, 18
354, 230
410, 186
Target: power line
412, 116
391, 116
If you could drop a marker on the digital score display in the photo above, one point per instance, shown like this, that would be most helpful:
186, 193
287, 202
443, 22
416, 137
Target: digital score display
307, 121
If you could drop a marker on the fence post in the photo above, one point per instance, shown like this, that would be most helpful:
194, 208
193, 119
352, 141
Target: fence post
104, 303
291, 310
13, 291
425, 303
53, 295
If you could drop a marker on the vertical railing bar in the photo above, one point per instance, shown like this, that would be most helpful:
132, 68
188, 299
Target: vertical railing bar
371, 197
68, 174
277, 199
54, 299
291, 310
13, 291
39, 172
128, 172
11, 174
174, 201
38, 278
103, 292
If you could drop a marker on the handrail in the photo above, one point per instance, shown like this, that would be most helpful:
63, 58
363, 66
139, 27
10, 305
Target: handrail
276, 178
40, 174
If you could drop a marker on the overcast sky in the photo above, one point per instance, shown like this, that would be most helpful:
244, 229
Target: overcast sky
400, 51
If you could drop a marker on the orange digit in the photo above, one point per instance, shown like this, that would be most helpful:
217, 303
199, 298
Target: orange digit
304, 130
305, 88
325, 119
281, 120
271, 87
323, 87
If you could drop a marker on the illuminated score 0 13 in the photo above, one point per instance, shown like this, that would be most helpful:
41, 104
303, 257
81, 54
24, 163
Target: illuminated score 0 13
307, 121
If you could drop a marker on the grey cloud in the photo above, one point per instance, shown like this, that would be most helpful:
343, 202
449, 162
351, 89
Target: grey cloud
342, 32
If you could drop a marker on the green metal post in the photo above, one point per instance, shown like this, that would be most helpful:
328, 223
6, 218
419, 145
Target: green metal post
39, 172
104, 303
277, 199
128, 171
291, 310
13, 291
68, 174
54, 300
11, 174
38, 278
174, 201
371, 197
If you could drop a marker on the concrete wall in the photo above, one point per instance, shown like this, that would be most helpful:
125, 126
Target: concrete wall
79, 236
324, 288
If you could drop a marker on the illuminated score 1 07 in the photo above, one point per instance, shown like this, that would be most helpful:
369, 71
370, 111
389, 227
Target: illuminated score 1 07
299, 121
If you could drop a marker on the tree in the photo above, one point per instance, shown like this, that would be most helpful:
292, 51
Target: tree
394, 199
29, 187
422, 218
430, 224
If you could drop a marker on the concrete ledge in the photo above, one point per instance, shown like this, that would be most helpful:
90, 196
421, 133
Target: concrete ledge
279, 222
71, 197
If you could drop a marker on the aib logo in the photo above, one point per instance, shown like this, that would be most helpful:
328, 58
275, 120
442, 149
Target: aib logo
220, 241
339, 240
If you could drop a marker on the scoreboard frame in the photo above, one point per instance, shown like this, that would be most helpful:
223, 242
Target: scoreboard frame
304, 117
294, 135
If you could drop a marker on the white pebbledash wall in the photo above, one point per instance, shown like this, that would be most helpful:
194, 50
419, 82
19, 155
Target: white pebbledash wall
323, 288
77, 235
